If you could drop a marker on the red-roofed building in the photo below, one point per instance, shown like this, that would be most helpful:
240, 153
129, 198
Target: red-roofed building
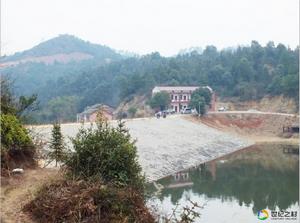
90, 113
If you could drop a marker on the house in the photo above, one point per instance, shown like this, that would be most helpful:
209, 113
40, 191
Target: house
181, 96
90, 113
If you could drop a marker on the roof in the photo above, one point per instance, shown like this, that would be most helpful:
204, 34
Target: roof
174, 88
177, 88
95, 108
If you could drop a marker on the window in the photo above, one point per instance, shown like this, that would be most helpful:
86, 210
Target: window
184, 97
180, 97
172, 97
175, 97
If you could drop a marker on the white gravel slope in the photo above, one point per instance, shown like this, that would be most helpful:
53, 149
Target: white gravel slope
166, 146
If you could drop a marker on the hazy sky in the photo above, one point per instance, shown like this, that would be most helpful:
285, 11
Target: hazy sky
144, 26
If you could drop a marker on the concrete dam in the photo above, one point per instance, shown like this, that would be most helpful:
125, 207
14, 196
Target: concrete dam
168, 145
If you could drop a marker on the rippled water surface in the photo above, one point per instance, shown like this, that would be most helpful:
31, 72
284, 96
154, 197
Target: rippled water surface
234, 188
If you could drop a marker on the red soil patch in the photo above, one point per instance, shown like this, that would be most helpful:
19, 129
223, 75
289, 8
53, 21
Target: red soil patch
240, 123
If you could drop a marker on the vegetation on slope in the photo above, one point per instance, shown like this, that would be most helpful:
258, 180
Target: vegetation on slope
103, 181
64, 44
246, 72
17, 148
86, 201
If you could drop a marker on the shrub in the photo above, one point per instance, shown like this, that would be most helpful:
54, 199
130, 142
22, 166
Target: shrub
86, 201
132, 111
13, 134
107, 153
16, 145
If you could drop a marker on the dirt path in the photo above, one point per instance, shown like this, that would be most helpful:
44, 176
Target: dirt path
16, 191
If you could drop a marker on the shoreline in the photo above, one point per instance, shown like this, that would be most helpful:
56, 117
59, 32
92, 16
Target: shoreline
263, 138
273, 140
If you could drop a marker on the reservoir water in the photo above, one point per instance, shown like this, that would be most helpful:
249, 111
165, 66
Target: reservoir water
236, 187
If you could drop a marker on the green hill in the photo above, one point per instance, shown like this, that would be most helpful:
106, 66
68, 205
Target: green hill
65, 44
244, 72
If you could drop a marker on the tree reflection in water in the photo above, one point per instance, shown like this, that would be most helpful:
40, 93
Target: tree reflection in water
263, 176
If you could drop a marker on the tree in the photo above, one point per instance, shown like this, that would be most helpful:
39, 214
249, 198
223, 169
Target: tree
57, 146
9, 103
7, 100
200, 99
62, 108
160, 100
205, 93
16, 142
198, 102
66, 89
132, 111
107, 153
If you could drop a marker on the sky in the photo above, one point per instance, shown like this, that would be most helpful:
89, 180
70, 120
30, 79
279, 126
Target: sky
145, 26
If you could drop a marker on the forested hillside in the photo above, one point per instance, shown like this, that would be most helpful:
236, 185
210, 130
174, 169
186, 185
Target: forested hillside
64, 44
246, 72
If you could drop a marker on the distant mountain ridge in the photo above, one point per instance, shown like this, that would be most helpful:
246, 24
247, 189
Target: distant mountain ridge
63, 48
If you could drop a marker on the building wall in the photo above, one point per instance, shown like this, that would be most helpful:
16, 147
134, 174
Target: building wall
93, 116
180, 98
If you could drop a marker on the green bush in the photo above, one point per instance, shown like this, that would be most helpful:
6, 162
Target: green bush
17, 148
13, 134
106, 153
132, 111
160, 100
200, 99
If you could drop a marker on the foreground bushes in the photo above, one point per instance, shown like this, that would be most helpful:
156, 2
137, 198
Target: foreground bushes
17, 149
103, 181
106, 153
84, 201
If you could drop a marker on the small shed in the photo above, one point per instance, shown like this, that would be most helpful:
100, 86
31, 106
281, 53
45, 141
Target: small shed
90, 113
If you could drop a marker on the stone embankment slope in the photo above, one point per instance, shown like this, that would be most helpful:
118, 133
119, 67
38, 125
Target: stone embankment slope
166, 146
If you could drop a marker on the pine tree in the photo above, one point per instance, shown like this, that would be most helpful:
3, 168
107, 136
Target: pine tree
57, 146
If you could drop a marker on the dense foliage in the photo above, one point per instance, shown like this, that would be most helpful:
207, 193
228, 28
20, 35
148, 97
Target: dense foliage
106, 153
201, 100
160, 101
246, 72
132, 111
13, 134
16, 144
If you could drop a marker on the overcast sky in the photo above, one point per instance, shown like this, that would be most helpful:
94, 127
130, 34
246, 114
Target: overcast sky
144, 26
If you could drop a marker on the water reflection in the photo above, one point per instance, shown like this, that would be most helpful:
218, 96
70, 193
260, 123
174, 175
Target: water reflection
265, 176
